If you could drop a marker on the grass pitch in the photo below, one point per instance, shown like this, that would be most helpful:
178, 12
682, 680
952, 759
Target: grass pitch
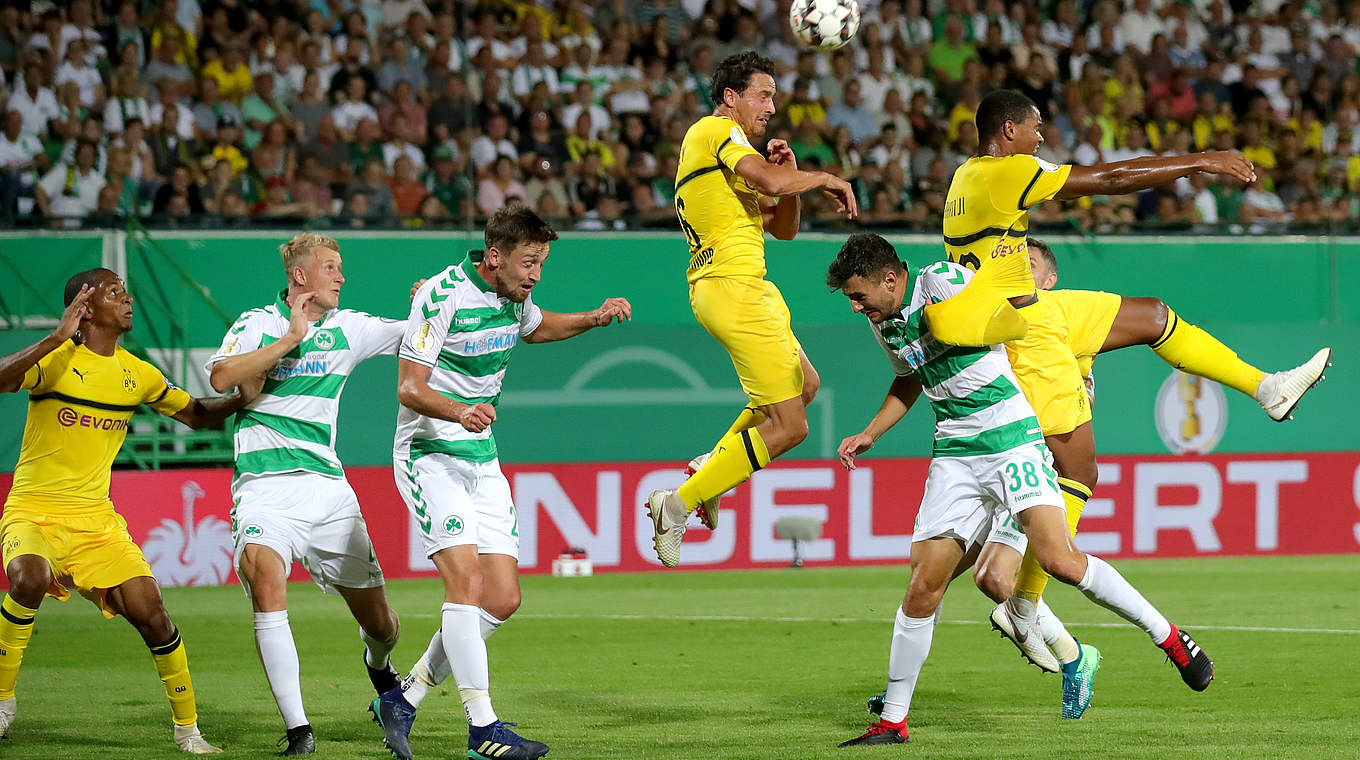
769, 664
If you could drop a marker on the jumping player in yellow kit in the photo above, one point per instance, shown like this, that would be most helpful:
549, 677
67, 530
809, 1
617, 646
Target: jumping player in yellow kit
727, 196
59, 528
985, 228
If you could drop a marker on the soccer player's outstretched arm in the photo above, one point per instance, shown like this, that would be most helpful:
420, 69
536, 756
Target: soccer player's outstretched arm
903, 392
232, 371
1142, 173
562, 326
779, 180
201, 413
15, 366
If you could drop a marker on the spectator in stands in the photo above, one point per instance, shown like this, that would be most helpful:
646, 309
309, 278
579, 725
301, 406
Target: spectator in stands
851, 112
19, 165
211, 109
71, 188
500, 187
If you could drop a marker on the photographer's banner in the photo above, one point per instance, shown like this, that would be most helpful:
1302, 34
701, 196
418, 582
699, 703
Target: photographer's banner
1144, 506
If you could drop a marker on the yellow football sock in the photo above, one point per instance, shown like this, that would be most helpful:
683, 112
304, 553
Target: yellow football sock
1188, 348
750, 417
172, 664
16, 628
735, 458
1032, 580
975, 317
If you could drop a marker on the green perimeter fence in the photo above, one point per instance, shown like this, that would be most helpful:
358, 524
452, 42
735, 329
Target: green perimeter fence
660, 387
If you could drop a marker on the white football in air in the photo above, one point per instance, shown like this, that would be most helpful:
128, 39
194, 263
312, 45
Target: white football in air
824, 24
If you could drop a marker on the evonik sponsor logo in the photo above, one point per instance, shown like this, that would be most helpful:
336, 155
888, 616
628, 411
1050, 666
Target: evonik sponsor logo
68, 417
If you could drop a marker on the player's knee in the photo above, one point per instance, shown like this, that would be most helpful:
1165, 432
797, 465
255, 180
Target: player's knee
154, 624
504, 607
993, 583
29, 578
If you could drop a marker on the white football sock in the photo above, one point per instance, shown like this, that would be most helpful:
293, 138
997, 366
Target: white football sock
910, 646
1104, 585
428, 672
278, 653
489, 623
377, 651
466, 652
1056, 636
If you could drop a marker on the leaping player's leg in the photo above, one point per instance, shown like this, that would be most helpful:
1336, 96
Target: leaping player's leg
1149, 321
264, 574
139, 601
379, 629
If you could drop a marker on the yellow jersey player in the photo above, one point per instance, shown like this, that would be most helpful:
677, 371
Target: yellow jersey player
727, 196
59, 527
985, 228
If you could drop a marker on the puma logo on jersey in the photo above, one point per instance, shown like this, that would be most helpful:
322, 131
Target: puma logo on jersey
79, 374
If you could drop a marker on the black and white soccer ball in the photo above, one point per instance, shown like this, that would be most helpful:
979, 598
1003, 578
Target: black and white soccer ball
824, 24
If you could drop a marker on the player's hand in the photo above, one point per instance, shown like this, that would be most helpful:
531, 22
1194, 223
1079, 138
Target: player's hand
852, 447
477, 417
416, 286
1230, 163
612, 309
780, 154
251, 387
843, 194
70, 318
297, 321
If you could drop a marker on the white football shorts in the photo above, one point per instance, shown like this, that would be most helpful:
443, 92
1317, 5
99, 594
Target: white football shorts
308, 518
979, 498
455, 502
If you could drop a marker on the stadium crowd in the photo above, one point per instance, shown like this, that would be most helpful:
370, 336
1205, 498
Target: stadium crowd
355, 110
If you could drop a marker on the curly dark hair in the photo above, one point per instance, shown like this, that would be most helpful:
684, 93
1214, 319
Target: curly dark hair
863, 255
1000, 107
734, 72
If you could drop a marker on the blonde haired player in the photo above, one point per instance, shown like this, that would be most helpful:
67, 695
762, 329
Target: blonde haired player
292, 501
58, 520
727, 195
985, 228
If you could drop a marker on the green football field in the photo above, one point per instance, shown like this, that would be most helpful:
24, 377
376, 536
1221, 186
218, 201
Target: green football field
770, 664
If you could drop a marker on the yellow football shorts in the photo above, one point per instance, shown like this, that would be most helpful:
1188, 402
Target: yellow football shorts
93, 553
1066, 330
749, 318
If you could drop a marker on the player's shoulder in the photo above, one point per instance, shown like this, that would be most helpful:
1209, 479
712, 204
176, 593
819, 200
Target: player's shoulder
249, 315
942, 279
1023, 163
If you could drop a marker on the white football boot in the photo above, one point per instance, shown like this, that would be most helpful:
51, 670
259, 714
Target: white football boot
708, 508
668, 515
189, 739
8, 708
1028, 639
1279, 392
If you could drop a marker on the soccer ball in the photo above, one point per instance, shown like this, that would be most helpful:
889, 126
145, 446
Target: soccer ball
824, 24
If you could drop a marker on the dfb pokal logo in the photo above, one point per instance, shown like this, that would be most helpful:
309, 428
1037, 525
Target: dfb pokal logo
453, 526
1191, 414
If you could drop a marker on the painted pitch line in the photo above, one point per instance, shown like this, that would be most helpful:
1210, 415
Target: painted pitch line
787, 619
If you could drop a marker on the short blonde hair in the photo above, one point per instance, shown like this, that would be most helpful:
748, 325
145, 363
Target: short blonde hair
301, 245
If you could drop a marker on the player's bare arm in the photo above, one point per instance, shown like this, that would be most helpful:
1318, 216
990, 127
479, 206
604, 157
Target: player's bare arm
414, 393
556, 326
902, 394
13, 366
232, 371
1142, 173
779, 181
781, 217
207, 412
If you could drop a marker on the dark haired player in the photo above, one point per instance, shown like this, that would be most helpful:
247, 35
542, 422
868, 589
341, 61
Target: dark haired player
727, 196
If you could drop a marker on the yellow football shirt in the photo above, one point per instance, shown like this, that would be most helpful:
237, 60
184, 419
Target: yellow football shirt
986, 217
79, 404
719, 211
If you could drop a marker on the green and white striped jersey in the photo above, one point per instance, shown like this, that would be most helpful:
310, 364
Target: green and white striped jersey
464, 332
291, 426
978, 406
